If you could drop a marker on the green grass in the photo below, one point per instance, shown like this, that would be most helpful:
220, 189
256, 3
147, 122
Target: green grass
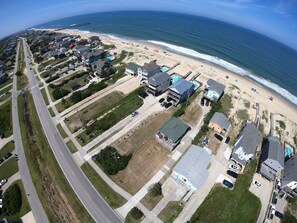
9, 81
8, 168
8, 88
51, 111
25, 205
119, 59
237, 205
111, 197
130, 219
6, 119
8, 147
150, 201
288, 218
226, 102
171, 211
50, 183
119, 74
61, 130
71, 146
44, 96
242, 115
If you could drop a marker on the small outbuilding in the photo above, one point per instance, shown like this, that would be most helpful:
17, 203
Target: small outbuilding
219, 122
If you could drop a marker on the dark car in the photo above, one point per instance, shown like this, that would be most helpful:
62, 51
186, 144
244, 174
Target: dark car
168, 105
207, 102
143, 95
7, 155
227, 140
218, 137
228, 184
1, 160
274, 198
161, 100
279, 215
202, 102
232, 174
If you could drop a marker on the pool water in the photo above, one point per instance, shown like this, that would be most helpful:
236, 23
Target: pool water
288, 151
175, 78
196, 86
164, 69
110, 58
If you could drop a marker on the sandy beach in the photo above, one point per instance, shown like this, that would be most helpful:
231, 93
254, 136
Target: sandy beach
235, 83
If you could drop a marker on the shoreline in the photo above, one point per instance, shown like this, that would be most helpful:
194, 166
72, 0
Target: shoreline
175, 55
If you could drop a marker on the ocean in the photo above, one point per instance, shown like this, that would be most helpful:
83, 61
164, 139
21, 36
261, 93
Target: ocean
242, 51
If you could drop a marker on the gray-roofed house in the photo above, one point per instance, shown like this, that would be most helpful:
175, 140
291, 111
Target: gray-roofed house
158, 83
191, 171
219, 122
272, 159
171, 133
3, 74
180, 90
245, 148
98, 65
80, 50
148, 70
131, 69
289, 178
213, 90
93, 38
90, 57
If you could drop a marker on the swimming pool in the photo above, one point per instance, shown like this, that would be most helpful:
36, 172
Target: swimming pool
196, 86
288, 151
110, 58
175, 78
164, 69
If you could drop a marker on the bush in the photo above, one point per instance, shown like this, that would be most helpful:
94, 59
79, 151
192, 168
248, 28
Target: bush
59, 93
19, 73
136, 213
156, 190
111, 161
12, 200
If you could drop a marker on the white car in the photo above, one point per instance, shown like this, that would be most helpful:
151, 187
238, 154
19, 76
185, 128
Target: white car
1, 205
234, 167
271, 212
2, 182
256, 184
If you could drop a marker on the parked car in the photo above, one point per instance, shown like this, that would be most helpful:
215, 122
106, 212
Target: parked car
218, 137
278, 184
2, 182
7, 155
143, 95
234, 167
271, 212
168, 105
207, 102
279, 215
94, 157
202, 102
228, 184
256, 184
274, 197
1, 204
134, 113
227, 140
1, 160
161, 100
232, 174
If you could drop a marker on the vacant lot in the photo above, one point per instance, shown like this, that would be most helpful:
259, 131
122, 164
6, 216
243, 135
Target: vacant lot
148, 155
237, 205
192, 113
5, 119
93, 111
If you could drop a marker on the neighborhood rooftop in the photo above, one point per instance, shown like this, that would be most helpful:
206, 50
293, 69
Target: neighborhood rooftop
181, 86
215, 86
221, 120
158, 78
174, 129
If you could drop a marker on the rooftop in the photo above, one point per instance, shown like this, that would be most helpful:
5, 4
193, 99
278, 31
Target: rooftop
181, 86
158, 78
174, 129
132, 66
221, 120
150, 66
215, 86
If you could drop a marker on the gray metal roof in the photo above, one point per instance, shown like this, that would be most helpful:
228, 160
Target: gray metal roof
273, 150
132, 66
290, 170
174, 129
158, 78
150, 66
193, 165
181, 86
221, 120
93, 53
215, 86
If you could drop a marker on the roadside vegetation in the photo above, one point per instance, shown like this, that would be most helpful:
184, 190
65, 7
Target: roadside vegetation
44, 96
153, 197
22, 80
7, 148
6, 119
52, 187
290, 215
134, 216
62, 131
113, 199
171, 211
8, 168
71, 146
237, 205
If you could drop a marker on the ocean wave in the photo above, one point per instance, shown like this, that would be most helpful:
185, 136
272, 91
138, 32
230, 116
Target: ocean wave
179, 49
73, 24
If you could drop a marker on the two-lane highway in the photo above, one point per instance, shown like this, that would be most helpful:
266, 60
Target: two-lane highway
93, 202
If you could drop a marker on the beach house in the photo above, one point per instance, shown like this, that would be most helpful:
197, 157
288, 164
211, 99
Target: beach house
99, 65
131, 69
246, 145
171, 133
93, 38
158, 83
180, 90
213, 90
272, 158
191, 171
79, 50
219, 122
90, 57
289, 178
148, 70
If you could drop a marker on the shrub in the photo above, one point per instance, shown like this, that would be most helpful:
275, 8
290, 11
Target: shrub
136, 213
12, 200
59, 93
19, 73
282, 124
156, 190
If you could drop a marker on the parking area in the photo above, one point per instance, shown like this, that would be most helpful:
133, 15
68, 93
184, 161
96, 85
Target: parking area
173, 190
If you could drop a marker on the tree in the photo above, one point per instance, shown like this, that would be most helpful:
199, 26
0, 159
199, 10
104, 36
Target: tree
19, 73
136, 213
12, 200
156, 190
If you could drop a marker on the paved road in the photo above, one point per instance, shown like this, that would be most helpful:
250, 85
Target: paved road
35, 204
93, 202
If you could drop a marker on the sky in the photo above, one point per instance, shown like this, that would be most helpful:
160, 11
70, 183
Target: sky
274, 18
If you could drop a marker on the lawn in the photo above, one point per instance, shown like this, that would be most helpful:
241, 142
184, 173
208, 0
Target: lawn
150, 201
119, 74
44, 96
5, 98
5, 119
71, 146
8, 147
93, 110
51, 62
6, 83
120, 111
193, 113
8, 168
288, 218
51, 185
51, 111
61, 130
25, 205
6, 89
111, 197
170, 212
237, 205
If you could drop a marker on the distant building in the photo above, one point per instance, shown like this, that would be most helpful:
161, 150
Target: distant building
191, 170
272, 159
213, 90
80, 50
148, 70
82, 42
93, 38
90, 57
245, 148
171, 133
63, 50
289, 179
158, 83
180, 91
98, 65
3, 74
219, 122
131, 69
